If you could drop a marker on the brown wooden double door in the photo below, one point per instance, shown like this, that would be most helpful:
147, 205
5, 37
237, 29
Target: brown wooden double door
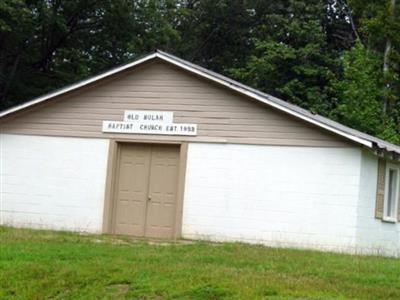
145, 194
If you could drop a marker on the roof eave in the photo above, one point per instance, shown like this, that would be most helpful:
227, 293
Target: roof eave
263, 100
231, 84
76, 86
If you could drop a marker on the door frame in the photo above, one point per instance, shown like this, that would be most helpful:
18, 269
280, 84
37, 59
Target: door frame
114, 151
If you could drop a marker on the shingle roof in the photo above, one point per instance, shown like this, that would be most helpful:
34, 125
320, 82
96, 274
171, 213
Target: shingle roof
315, 119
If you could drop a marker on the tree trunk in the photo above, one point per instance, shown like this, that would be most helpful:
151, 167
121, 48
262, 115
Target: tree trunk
349, 14
386, 61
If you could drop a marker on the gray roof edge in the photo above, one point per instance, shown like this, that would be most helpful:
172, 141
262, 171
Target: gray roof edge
328, 124
379, 143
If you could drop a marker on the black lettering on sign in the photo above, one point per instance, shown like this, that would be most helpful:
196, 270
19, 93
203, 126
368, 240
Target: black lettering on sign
151, 127
120, 126
153, 117
170, 128
187, 128
133, 117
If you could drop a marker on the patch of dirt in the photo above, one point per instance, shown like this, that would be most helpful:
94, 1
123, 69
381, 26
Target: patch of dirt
120, 289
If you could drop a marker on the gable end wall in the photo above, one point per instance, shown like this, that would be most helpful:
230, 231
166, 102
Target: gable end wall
222, 115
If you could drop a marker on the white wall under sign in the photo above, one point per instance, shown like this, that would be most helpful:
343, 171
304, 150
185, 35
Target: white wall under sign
52, 182
281, 196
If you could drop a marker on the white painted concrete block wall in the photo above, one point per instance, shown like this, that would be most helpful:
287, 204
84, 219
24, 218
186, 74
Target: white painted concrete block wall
373, 236
285, 196
321, 198
52, 182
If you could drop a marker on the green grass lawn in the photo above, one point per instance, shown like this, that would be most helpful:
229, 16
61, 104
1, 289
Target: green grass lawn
38, 264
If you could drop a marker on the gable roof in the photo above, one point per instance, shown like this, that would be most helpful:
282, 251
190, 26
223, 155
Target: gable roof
300, 113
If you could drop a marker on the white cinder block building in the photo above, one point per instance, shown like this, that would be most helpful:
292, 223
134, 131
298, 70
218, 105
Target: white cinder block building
164, 148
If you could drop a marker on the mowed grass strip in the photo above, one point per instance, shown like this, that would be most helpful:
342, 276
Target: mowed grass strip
37, 264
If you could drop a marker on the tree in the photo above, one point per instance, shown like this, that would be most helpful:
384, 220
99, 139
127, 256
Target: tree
360, 91
373, 66
216, 34
16, 31
47, 44
292, 58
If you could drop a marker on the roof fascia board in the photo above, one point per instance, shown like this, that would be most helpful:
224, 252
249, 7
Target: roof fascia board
192, 70
265, 101
76, 86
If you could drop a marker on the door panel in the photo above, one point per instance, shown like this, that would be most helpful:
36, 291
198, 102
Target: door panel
161, 207
146, 190
132, 187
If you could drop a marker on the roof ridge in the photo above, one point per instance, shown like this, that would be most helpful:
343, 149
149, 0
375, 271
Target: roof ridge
318, 120
305, 112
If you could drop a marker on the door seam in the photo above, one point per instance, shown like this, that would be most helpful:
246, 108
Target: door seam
148, 191
115, 192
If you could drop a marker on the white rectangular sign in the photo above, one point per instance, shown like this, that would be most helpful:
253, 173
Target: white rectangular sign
148, 116
149, 128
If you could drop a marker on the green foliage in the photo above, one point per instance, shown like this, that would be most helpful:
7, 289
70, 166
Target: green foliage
292, 58
378, 23
360, 93
46, 44
216, 34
